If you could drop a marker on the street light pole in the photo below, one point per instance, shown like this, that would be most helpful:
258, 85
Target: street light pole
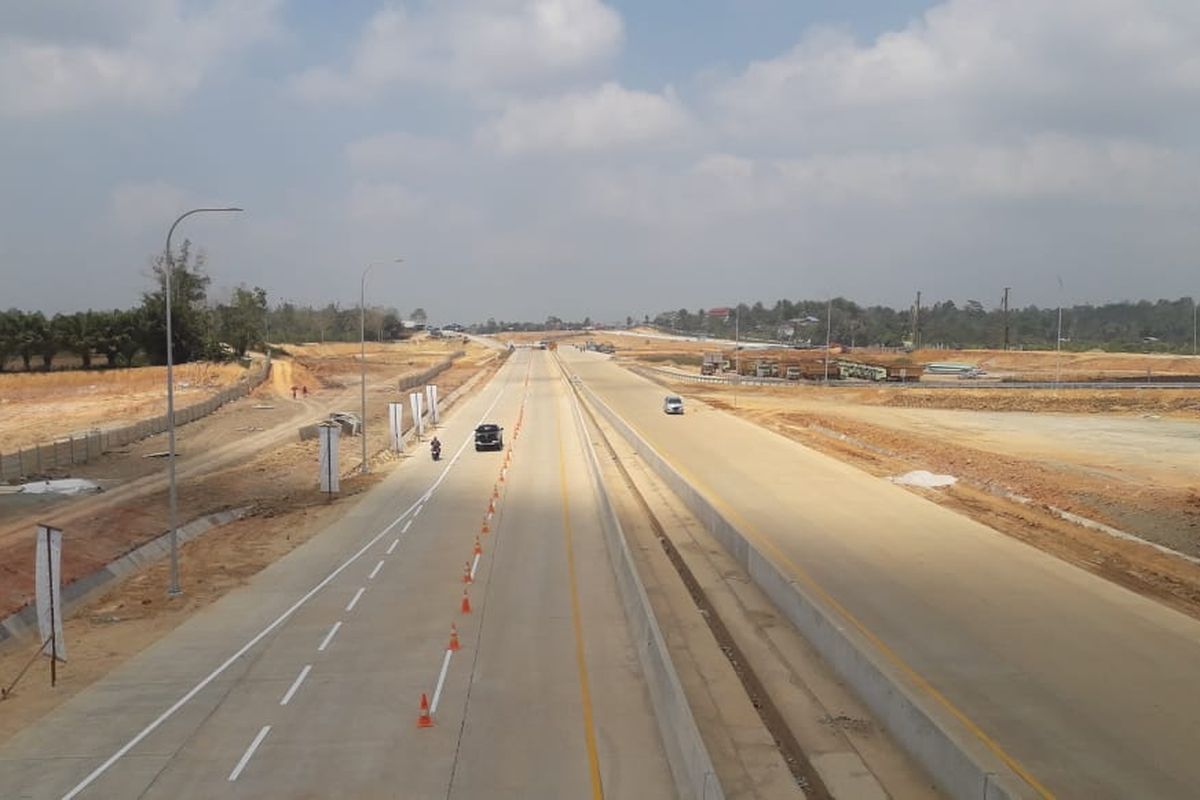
173, 590
828, 336
362, 359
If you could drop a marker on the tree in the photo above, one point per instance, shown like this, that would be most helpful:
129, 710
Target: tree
419, 316
78, 333
241, 322
190, 326
9, 327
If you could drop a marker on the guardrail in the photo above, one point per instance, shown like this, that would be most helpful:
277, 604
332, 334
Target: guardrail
961, 763
691, 765
80, 448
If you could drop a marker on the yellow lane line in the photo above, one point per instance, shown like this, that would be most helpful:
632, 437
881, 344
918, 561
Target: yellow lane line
768, 545
589, 725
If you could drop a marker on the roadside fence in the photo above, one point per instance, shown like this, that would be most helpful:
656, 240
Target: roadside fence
84, 446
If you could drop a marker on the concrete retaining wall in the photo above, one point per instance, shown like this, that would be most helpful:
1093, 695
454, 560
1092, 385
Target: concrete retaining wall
78, 592
691, 765
79, 448
960, 762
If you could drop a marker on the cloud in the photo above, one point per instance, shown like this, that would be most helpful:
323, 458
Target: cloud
398, 150
472, 46
977, 68
135, 208
162, 54
377, 202
601, 119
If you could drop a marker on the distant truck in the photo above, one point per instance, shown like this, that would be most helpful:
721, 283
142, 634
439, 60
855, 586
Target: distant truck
713, 363
879, 372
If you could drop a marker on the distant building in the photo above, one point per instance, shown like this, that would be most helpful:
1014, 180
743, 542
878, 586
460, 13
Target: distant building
721, 313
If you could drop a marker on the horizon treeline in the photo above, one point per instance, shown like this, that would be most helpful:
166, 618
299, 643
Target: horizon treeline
201, 329
1143, 326
1160, 326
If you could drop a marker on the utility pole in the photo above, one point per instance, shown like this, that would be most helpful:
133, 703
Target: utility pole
1006, 291
828, 336
917, 323
1193, 326
1058, 343
737, 351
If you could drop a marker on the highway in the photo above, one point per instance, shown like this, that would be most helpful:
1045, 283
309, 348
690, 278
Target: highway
307, 682
1084, 687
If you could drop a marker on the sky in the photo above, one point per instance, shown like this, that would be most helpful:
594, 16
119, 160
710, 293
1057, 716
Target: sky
577, 158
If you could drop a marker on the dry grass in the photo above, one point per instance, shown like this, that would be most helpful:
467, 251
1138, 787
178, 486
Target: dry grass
37, 407
35, 386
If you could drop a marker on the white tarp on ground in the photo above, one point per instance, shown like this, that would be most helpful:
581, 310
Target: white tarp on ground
925, 479
61, 486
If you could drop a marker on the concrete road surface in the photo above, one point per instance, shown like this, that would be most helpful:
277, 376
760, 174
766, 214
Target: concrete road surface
543, 700
1091, 690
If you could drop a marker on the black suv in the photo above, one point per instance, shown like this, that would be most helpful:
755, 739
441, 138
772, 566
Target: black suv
489, 437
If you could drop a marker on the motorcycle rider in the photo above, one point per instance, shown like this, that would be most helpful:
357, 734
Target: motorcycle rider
435, 447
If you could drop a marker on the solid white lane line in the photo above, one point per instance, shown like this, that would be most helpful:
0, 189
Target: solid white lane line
296, 684
407, 525
258, 637
474, 566
329, 636
241, 765
375, 571
354, 600
417, 513
392, 546
437, 692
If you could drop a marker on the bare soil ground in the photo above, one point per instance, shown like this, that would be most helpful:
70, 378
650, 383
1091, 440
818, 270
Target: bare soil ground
246, 454
1020, 364
41, 406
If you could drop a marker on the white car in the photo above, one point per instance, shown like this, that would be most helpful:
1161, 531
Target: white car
672, 404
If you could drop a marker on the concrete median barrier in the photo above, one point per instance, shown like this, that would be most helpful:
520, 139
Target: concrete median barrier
959, 757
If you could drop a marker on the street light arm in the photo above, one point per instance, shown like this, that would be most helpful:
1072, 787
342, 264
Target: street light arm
187, 214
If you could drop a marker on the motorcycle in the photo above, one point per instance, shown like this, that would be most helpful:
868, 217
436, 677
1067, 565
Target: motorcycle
435, 450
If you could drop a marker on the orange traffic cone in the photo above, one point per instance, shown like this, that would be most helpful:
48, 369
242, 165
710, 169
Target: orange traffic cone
424, 720
484, 527
454, 645
491, 507
466, 602
495, 491
467, 573
478, 547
